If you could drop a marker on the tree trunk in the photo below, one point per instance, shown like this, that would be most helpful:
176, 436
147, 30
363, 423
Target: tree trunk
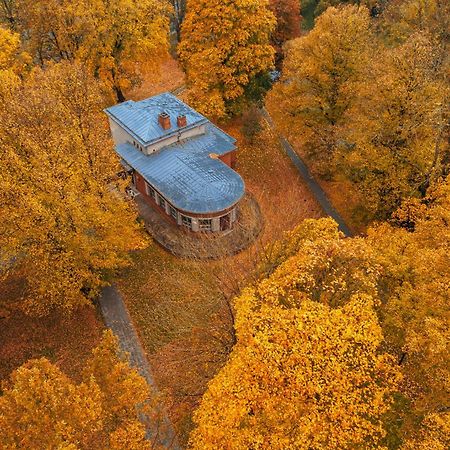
119, 94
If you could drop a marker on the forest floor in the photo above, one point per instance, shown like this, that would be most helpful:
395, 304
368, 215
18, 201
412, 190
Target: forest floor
64, 340
180, 306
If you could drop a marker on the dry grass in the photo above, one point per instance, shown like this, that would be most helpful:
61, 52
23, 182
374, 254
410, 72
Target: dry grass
169, 76
346, 200
180, 307
64, 340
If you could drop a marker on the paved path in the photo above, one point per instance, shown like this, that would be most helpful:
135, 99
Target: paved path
117, 318
312, 184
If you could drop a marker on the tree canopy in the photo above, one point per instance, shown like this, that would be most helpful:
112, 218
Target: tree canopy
325, 310
114, 39
65, 223
320, 75
367, 103
226, 52
107, 409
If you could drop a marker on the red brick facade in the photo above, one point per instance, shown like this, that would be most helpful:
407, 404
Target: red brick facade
227, 216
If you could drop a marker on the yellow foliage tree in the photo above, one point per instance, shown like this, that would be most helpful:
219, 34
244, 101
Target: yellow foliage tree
114, 39
41, 406
13, 61
434, 434
226, 52
64, 221
398, 273
405, 17
320, 75
9, 47
415, 296
397, 128
306, 377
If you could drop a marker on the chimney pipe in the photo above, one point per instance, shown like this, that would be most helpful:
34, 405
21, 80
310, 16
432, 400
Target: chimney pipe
164, 120
181, 121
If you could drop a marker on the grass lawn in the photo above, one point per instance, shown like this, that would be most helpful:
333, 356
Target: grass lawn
64, 340
180, 306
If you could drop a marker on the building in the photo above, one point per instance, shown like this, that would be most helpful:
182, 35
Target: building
179, 161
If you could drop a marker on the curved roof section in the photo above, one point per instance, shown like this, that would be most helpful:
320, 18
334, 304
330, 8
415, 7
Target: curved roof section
186, 174
140, 119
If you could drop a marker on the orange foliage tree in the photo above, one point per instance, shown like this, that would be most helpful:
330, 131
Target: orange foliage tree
64, 223
41, 406
287, 13
303, 374
226, 52
113, 39
300, 377
398, 273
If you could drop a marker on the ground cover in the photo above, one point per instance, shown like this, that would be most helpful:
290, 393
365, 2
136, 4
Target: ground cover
168, 77
63, 339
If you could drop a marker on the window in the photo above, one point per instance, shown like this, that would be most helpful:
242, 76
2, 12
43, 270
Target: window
150, 191
204, 224
162, 202
186, 221
173, 212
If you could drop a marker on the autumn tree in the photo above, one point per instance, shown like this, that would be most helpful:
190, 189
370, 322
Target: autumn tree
115, 40
280, 387
107, 409
402, 18
434, 433
287, 13
226, 52
64, 221
306, 377
399, 274
396, 134
8, 13
318, 84
415, 296
13, 61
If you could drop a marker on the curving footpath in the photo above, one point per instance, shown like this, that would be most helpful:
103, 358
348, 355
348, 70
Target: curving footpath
117, 318
312, 184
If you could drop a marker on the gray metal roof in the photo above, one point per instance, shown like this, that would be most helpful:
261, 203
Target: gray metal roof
140, 119
187, 175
